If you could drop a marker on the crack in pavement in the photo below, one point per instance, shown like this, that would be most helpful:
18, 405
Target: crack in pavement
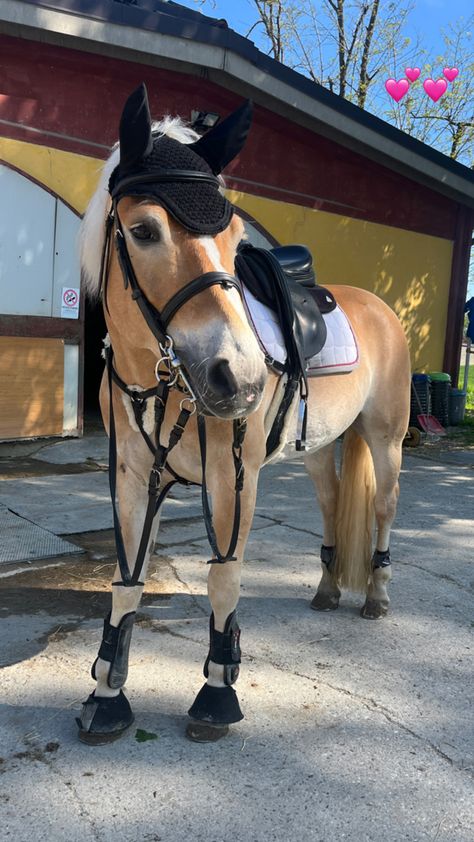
34, 752
443, 576
367, 702
375, 707
278, 522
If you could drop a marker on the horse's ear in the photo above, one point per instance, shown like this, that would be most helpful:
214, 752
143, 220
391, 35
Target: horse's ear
222, 143
135, 128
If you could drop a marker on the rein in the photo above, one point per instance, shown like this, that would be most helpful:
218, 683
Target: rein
173, 377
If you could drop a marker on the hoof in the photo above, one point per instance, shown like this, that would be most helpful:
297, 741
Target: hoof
103, 719
373, 610
202, 732
325, 602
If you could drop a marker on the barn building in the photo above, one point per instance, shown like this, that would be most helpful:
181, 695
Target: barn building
378, 209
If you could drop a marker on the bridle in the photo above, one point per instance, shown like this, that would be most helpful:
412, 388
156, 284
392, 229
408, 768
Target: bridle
170, 374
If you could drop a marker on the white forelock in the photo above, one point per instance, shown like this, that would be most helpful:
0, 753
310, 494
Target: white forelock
92, 229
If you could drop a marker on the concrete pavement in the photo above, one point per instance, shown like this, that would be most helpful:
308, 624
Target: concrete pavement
354, 730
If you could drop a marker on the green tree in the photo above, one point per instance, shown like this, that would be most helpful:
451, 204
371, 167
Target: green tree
353, 46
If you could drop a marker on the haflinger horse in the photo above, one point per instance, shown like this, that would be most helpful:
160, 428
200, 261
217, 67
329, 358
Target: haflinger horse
188, 395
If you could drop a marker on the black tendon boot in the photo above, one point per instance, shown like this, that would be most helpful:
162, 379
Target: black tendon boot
103, 718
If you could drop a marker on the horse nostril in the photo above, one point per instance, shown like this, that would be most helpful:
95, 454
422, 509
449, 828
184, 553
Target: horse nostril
221, 379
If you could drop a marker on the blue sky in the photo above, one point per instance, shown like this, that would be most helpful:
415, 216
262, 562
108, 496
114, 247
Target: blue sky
426, 20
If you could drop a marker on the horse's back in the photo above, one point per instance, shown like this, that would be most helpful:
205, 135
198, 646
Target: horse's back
377, 328
380, 384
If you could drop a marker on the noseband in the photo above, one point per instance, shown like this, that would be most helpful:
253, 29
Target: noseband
174, 376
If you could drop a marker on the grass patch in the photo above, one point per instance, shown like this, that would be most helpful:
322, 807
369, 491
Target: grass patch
467, 428
470, 385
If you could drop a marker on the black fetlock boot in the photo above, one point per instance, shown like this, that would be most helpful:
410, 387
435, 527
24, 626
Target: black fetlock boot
328, 594
377, 600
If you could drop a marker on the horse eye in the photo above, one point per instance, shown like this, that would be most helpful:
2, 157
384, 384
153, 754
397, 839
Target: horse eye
143, 233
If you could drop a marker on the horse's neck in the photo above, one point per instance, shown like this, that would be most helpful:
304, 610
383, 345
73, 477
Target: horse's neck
136, 366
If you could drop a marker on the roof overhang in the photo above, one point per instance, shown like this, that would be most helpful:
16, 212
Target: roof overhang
157, 38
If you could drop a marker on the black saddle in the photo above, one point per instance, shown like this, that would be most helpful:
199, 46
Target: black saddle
297, 264
283, 279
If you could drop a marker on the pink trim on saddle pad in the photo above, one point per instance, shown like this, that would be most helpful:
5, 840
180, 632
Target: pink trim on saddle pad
339, 355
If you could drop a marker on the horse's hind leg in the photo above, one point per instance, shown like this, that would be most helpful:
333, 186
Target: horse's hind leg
322, 470
387, 458
107, 713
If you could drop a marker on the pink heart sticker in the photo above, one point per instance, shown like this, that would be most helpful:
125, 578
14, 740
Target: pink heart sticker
397, 90
435, 90
450, 73
412, 73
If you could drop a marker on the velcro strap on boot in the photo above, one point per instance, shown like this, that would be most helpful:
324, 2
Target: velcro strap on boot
114, 648
224, 648
381, 558
328, 557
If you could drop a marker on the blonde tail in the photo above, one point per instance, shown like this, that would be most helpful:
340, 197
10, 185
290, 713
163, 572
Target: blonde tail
355, 515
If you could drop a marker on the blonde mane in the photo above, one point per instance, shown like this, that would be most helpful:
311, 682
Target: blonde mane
92, 229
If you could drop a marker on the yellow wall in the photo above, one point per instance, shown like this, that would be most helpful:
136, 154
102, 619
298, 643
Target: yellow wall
71, 177
410, 271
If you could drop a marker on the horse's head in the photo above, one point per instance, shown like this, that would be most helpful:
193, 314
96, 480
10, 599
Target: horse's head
178, 228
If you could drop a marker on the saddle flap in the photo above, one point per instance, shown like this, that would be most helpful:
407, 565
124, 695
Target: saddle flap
297, 309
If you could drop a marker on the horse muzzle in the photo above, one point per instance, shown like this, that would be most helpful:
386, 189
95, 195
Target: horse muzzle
223, 393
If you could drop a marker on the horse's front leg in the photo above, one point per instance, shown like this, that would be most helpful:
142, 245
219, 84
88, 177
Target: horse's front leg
216, 705
107, 713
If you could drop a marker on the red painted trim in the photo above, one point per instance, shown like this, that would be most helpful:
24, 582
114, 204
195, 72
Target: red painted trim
458, 292
75, 98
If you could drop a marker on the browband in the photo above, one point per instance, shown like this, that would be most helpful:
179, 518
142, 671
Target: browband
163, 176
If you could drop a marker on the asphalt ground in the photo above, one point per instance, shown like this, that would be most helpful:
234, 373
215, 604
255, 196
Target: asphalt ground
353, 729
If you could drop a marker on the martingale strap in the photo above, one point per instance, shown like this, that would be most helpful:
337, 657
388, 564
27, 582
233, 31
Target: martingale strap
240, 427
156, 495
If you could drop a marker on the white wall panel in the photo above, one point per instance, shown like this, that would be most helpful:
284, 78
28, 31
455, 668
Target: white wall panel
27, 219
66, 258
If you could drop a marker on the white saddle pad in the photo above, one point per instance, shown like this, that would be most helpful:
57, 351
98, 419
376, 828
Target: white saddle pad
339, 355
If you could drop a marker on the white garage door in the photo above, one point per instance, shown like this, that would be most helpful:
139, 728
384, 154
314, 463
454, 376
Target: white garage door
37, 248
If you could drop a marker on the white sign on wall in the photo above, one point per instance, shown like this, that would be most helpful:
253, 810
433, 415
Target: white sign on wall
70, 303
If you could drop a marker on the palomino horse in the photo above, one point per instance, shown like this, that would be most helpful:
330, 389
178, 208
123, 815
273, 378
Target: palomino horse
174, 313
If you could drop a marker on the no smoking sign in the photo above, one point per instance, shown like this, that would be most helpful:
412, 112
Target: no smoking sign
70, 303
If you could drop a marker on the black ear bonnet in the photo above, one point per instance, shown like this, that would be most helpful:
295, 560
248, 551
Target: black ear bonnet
181, 177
